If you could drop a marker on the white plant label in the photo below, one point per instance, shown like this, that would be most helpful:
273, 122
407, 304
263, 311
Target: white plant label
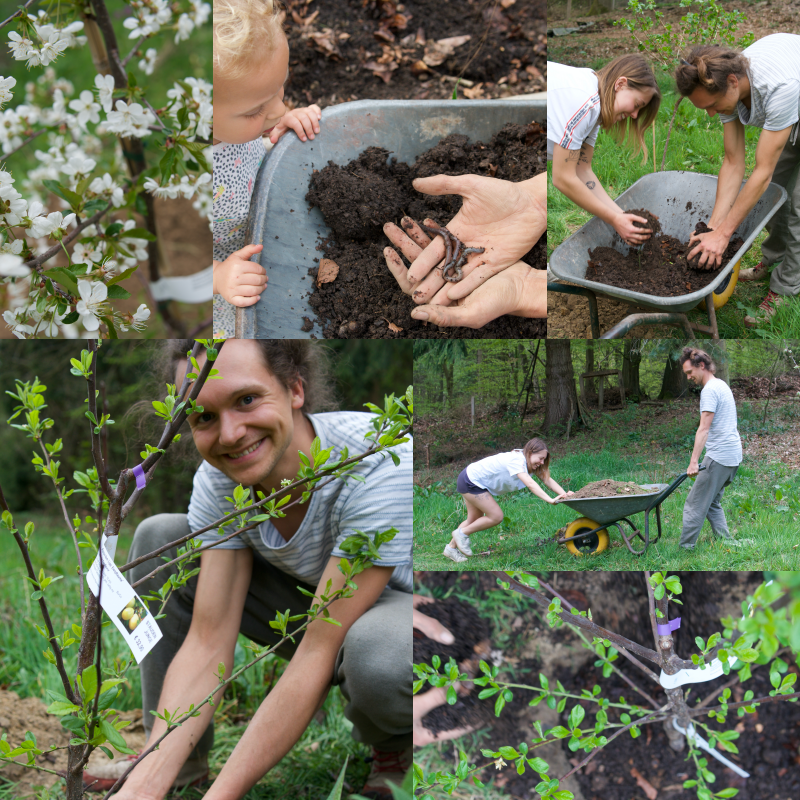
125, 608
712, 670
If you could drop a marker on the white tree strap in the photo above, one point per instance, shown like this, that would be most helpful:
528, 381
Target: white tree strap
712, 670
197, 288
700, 742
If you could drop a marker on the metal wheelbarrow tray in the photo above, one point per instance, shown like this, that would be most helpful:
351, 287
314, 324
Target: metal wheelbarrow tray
602, 512
279, 215
668, 195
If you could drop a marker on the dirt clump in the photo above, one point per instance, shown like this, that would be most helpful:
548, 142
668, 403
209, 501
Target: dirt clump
608, 488
660, 266
357, 199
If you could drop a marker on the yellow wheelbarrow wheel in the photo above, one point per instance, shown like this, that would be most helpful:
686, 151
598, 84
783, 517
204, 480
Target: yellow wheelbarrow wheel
590, 545
723, 293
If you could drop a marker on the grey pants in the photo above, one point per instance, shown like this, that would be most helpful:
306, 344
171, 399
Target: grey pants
373, 667
703, 503
783, 242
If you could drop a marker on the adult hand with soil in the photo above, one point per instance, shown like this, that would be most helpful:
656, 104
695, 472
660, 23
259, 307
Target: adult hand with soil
631, 234
425, 703
710, 247
504, 218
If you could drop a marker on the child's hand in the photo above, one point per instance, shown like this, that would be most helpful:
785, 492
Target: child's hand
303, 121
239, 280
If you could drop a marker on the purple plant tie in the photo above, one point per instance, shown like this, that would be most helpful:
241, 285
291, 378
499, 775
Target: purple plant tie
138, 473
672, 625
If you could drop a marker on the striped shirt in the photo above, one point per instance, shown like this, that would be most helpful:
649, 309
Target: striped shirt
723, 443
573, 106
774, 75
382, 501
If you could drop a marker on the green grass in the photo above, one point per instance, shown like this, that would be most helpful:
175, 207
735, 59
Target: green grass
627, 446
696, 144
313, 763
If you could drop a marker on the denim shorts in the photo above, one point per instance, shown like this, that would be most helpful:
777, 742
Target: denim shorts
466, 486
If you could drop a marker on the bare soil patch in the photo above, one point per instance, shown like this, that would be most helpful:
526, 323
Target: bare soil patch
608, 488
363, 300
343, 50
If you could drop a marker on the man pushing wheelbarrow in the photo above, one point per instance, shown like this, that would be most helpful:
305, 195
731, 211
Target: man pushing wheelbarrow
719, 434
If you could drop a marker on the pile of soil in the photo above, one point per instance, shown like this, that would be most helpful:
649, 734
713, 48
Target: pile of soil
756, 387
357, 199
608, 488
343, 50
660, 267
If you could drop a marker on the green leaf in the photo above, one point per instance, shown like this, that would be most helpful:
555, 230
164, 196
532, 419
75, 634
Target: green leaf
59, 708
65, 278
139, 233
118, 293
336, 792
114, 737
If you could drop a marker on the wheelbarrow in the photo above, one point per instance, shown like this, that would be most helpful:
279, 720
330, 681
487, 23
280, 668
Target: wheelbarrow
589, 534
679, 200
281, 220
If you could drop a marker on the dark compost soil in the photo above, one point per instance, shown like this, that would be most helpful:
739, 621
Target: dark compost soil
769, 742
364, 301
659, 267
342, 50
608, 488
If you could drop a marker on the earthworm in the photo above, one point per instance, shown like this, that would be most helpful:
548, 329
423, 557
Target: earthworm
454, 258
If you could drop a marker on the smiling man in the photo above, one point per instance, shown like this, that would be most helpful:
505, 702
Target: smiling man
254, 422
719, 434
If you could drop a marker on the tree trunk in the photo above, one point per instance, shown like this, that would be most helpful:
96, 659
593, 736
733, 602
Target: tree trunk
631, 359
562, 400
588, 384
723, 361
673, 384
447, 371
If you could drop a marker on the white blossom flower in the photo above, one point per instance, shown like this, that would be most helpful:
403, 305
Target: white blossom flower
11, 266
85, 253
130, 119
22, 48
107, 187
201, 13
205, 114
86, 107
137, 321
185, 28
14, 247
105, 91
12, 205
18, 328
91, 306
148, 63
78, 165
39, 224
6, 84
55, 45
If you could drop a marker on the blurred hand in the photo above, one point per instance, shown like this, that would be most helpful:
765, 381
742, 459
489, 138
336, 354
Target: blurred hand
303, 121
239, 280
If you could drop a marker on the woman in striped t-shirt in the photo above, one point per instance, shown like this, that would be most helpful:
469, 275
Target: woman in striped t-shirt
623, 98
758, 87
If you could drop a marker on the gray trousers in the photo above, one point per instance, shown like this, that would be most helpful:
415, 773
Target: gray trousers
703, 503
372, 669
783, 242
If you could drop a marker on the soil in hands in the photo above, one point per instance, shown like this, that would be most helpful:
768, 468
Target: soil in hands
608, 488
344, 50
364, 300
660, 266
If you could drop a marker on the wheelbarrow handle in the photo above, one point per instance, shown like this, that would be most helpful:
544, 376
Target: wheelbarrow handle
660, 498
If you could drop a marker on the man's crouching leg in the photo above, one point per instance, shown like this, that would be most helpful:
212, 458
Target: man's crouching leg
151, 534
374, 673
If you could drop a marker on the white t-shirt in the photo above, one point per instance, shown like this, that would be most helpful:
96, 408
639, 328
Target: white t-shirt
498, 474
573, 106
381, 502
723, 443
774, 75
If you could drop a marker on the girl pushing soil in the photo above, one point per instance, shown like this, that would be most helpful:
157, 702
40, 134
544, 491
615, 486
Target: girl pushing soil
500, 474
622, 98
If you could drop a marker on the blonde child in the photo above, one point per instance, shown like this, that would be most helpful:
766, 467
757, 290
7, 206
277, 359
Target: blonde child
495, 475
251, 66
622, 98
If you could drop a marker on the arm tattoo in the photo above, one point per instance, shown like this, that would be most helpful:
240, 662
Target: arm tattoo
573, 155
583, 158
591, 184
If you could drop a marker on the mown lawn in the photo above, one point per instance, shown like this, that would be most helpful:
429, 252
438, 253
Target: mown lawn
695, 144
762, 505
313, 763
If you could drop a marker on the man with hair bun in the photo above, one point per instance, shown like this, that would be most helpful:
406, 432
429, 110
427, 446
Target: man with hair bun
759, 87
719, 434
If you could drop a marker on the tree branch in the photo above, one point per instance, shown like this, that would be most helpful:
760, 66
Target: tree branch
693, 712
17, 13
28, 140
97, 452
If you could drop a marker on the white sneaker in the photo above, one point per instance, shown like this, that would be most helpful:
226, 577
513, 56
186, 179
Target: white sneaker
760, 272
453, 554
462, 542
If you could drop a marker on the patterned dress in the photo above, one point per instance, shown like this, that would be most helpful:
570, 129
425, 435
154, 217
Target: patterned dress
235, 169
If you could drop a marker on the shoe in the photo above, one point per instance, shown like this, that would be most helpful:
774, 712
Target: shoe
769, 306
387, 766
462, 542
454, 555
193, 773
760, 272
